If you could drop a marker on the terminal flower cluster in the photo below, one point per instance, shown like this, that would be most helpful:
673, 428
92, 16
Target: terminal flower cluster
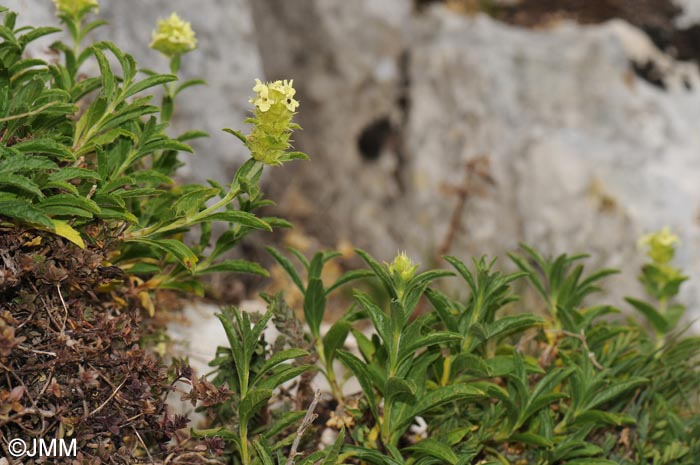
402, 267
661, 245
76, 8
173, 36
275, 107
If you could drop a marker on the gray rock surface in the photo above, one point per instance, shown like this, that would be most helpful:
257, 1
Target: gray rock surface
585, 155
226, 57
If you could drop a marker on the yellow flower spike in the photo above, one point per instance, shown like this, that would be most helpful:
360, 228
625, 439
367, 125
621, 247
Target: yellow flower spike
272, 121
76, 7
661, 245
403, 267
173, 36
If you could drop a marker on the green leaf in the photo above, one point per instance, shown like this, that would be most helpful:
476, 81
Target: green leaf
108, 81
20, 182
36, 33
281, 424
192, 134
434, 448
282, 375
234, 266
276, 359
370, 455
614, 391
240, 217
23, 163
673, 315
149, 82
65, 174
657, 320
189, 83
84, 87
177, 249
408, 348
315, 305
399, 389
221, 432
295, 156
25, 212
590, 461
189, 203
264, 452
359, 369
238, 134
440, 396
379, 271
532, 439
252, 402
69, 200
334, 451
505, 326
334, 339
348, 277
598, 417
63, 229
287, 265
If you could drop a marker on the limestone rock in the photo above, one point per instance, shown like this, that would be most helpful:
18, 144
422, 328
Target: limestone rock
226, 57
584, 154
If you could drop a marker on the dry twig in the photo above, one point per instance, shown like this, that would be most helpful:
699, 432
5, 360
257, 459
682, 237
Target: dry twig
476, 169
308, 419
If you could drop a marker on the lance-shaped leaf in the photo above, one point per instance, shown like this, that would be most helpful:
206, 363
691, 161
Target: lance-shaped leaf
440, 396
361, 372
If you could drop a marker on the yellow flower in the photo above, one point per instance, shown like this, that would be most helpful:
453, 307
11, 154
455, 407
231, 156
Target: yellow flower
263, 102
76, 7
287, 90
173, 36
403, 267
272, 122
661, 245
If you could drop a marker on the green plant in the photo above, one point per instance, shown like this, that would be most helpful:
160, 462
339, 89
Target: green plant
106, 176
662, 281
252, 375
94, 229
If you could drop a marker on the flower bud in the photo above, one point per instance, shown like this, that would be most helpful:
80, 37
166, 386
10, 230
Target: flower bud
173, 37
403, 267
76, 8
661, 245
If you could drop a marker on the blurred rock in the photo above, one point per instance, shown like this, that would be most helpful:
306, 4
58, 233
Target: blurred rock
584, 154
226, 57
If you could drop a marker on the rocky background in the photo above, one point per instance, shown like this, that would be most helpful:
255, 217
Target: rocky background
460, 126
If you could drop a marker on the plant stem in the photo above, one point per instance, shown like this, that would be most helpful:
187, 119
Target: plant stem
243, 431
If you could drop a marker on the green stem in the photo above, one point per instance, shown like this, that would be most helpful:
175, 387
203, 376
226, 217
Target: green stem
329, 373
243, 429
446, 371
29, 113
661, 337
386, 423
185, 222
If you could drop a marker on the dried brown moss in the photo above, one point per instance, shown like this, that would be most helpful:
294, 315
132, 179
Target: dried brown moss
70, 354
